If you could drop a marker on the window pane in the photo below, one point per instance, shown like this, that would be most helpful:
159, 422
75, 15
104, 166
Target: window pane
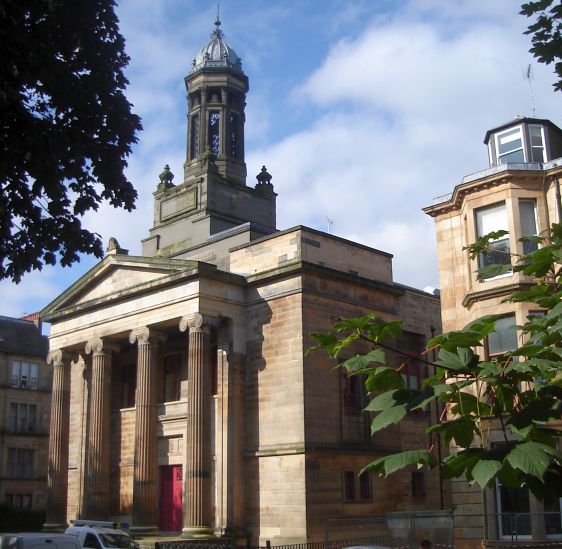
24, 375
13, 416
504, 338
510, 136
33, 370
498, 254
491, 219
537, 154
512, 157
527, 213
213, 132
365, 486
349, 485
536, 135
15, 381
22, 420
514, 507
552, 516
528, 224
194, 137
31, 418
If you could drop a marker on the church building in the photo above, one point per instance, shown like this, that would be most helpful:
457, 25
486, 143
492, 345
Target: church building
183, 398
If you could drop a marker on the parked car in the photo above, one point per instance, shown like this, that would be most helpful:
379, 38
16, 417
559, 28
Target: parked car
98, 534
40, 540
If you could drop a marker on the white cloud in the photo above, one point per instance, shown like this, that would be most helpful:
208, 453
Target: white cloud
391, 115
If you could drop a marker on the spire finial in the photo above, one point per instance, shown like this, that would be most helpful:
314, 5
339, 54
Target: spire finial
217, 32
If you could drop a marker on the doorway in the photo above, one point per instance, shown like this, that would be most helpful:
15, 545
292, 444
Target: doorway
171, 498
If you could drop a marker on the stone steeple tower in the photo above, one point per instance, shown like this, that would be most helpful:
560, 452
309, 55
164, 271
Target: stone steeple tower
213, 202
217, 90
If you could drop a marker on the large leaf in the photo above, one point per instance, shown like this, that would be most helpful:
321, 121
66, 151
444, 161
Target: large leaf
484, 471
361, 363
457, 464
388, 417
383, 379
531, 458
463, 360
381, 402
390, 464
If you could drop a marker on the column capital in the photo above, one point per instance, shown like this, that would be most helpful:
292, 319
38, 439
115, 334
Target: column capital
145, 335
195, 322
57, 357
100, 346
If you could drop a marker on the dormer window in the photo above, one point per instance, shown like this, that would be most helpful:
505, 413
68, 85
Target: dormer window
524, 141
509, 145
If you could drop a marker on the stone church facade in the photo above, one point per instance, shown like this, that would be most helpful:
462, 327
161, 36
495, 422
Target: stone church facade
183, 397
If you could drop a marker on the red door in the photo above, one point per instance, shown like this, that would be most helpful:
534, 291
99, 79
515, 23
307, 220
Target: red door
170, 498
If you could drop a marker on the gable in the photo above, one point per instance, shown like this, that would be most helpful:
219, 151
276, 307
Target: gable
116, 281
117, 276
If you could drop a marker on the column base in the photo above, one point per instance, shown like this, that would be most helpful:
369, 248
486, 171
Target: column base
139, 531
54, 527
197, 532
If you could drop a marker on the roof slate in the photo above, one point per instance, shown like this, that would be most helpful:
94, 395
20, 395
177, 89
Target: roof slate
22, 337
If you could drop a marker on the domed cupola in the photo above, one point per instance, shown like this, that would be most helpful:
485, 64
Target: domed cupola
216, 92
217, 53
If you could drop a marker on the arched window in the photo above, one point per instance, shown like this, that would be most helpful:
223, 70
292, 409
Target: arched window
194, 137
214, 132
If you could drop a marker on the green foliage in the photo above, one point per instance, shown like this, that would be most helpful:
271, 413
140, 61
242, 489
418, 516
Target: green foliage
66, 129
517, 395
545, 33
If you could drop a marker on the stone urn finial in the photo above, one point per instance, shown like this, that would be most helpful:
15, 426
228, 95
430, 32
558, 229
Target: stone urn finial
166, 178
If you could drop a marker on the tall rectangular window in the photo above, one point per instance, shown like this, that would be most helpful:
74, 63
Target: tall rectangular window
528, 219
491, 219
235, 145
213, 132
20, 463
356, 489
194, 137
537, 143
504, 339
19, 501
513, 507
509, 145
24, 374
23, 417
352, 393
411, 345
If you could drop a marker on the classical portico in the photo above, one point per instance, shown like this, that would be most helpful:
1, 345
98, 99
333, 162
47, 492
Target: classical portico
160, 432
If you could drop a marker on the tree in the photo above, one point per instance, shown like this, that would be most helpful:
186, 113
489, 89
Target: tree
66, 129
518, 394
546, 33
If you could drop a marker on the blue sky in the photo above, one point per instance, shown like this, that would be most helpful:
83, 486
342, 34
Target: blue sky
362, 110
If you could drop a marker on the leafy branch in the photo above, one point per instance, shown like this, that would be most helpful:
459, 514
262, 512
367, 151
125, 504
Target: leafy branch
517, 393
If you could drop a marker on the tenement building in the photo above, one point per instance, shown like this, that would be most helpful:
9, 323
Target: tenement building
183, 400
519, 193
25, 398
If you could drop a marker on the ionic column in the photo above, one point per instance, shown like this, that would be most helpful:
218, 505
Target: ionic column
145, 489
197, 469
97, 461
57, 479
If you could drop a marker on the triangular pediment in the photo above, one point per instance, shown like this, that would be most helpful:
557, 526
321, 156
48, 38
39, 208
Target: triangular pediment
116, 277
